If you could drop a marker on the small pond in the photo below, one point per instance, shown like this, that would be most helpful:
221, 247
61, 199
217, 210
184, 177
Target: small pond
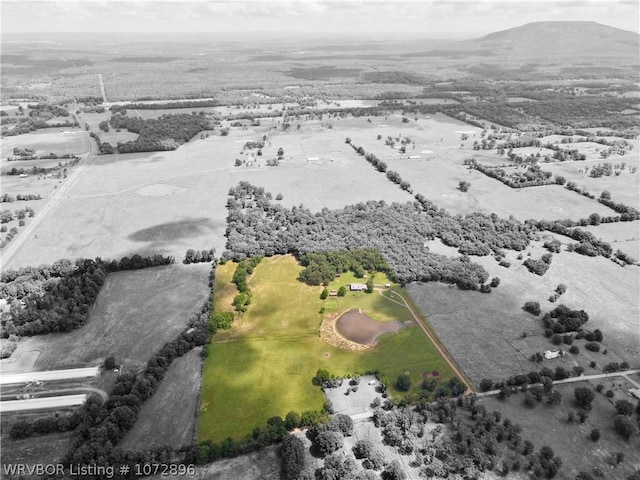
360, 328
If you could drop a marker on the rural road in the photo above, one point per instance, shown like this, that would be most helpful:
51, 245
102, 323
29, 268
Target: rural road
445, 354
54, 200
581, 378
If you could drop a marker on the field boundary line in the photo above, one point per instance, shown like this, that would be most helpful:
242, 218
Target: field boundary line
422, 323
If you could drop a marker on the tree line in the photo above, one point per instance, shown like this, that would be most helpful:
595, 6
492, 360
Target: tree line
66, 302
102, 427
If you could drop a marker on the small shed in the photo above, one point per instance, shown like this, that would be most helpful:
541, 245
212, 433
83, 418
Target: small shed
357, 287
333, 293
549, 354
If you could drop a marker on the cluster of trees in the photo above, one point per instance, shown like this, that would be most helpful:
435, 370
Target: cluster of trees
562, 319
537, 383
242, 272
626, 212
323, 267
7, 215
534, 176
167, 132
587, 244
44, 170
538, 266
166, 105
486, 442
221, 320
253, 144
56, 422
255, 226
6, 198
47, 110
199, 256
102, 427
65, 303
33, 124
105, 148
274, 431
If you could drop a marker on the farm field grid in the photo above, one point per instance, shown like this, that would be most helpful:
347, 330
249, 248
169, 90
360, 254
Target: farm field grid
390, 257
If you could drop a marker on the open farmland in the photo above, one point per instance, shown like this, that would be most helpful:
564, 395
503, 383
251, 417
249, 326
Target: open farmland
263, 366
621, 235
169, 202
548, 425
159, 422
135, 313
467, 322
60, 141
624, 188
436, 175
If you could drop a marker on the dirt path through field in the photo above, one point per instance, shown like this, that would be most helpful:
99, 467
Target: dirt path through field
29, 230
441, 349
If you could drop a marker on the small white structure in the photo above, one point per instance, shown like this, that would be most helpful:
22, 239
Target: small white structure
549, 354
50, 375
357, 287
413, 157
42, 403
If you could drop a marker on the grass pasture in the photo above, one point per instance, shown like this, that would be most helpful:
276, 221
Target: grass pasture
436, 175
136, 312
61, 141
544, 425
169, 202
263, 366
621, 235
624, 188
483, 332
160, 422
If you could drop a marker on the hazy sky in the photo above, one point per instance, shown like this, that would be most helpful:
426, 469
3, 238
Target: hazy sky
428, 18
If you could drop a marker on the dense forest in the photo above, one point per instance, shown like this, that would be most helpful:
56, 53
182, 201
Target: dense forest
165, 133
398, 231
59, 297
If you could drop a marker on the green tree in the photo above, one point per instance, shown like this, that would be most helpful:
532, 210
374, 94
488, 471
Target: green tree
324, 294
403, 383
370, 284
342, 291
292, 420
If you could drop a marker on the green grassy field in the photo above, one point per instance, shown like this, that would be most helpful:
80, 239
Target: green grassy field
263, 366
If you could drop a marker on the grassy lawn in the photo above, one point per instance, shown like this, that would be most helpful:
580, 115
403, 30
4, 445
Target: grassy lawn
263, 366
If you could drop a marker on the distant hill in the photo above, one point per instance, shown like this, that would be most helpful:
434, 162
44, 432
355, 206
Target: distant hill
560, 39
